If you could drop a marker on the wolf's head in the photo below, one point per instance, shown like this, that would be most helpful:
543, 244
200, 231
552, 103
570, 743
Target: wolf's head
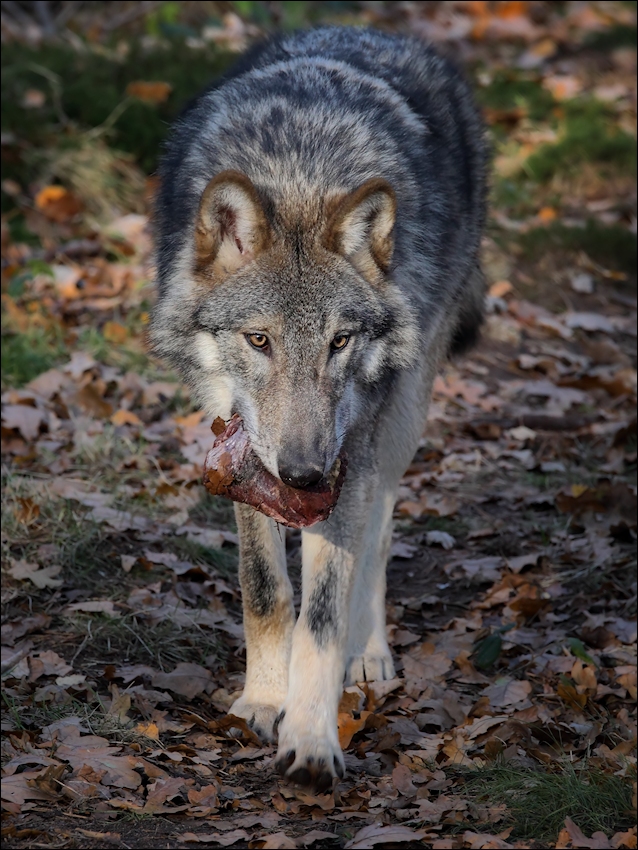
288, 316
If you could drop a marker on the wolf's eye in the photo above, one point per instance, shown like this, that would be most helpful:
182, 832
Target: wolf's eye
258, 340
339, 342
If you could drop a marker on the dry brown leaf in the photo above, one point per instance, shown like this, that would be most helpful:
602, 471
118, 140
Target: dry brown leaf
276, 841
41, 578
16, 788
24, 418
92, 402
58, 204
628, 840
128, 561
186, 679
16, 629
166, 789
506, 692
378, 833
125, 417
485, 841
94, 606
224, 839
310, 838
347, 727
598, 841
115, 332
149, 92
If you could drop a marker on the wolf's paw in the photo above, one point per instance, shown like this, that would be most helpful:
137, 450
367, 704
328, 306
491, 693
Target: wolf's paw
309, 761
262, 719
369, 668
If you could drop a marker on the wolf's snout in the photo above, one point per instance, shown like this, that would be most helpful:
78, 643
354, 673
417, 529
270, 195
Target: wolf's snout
300, 477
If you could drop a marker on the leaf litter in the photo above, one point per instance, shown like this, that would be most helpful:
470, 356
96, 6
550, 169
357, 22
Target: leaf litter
511, 605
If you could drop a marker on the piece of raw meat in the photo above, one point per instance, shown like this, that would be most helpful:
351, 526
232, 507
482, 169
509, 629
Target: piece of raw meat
234, 470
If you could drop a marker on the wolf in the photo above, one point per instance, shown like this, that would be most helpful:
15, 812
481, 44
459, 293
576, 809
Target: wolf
318, 226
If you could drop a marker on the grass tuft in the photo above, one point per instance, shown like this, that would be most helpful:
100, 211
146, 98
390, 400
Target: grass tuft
538, 803
589, 134
612, 246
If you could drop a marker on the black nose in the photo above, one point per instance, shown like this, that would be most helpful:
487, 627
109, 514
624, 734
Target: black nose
300, 478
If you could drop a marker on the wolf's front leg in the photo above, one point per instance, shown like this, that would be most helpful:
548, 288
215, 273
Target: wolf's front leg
309, 752
268, 620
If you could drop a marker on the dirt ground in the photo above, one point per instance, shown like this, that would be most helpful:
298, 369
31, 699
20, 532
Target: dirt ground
512, 582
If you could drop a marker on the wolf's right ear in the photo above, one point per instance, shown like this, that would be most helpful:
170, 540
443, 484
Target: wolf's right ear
231, 227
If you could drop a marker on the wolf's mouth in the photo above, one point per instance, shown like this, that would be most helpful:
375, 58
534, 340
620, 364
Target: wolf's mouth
233, 469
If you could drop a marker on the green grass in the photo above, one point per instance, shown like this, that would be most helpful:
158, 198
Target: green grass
510, 89
539, 802
127, 640
611, 246
619, 35
27, 355
588, 133
86, 87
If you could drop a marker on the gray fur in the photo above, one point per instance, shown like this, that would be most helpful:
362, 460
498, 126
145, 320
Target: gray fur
309, 119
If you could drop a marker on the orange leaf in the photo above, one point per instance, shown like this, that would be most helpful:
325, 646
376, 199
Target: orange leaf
155, 92
348, 727
568, 692
28, 511
148, 729
547, 214
49, 195
114, 332
191, 420
510, 8
125, 417
585, 677
500, 288
57, 203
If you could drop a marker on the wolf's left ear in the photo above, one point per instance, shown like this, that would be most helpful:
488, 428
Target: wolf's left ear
231, 227
361, 228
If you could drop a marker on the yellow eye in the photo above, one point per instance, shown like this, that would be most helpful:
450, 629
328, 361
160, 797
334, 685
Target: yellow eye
339, 342
258, 340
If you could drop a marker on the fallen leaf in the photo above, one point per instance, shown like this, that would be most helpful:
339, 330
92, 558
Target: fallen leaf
224, 839
79, 491
347, 727
41, 578
277, 841
94, 606
57, 203
24, 418
16, 629
588, 322
125, 417
598, 841
440, 538
150, 92
128, 561
378, 833
506, 692
186, 679
51, 663
115, 332
500, 288
17, 790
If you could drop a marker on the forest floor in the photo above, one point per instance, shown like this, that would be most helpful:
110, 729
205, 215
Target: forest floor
512, 581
